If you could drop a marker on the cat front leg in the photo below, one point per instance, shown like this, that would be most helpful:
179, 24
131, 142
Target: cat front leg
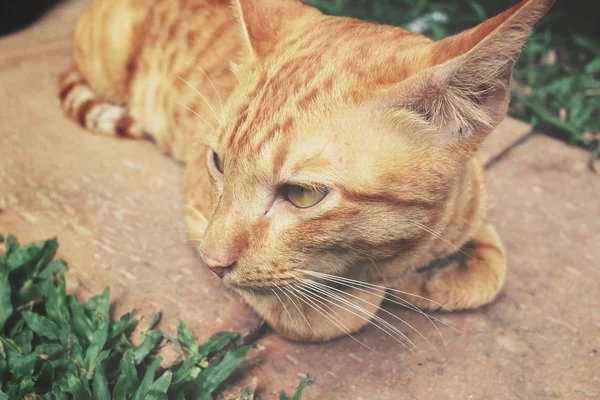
471, 279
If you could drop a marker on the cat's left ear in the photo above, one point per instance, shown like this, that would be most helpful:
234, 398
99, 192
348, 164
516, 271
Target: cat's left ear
265, 22
465, 94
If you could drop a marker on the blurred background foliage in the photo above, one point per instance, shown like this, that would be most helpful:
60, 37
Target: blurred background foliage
557, 85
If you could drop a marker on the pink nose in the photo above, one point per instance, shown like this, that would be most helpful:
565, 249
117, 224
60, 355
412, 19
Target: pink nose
219, 267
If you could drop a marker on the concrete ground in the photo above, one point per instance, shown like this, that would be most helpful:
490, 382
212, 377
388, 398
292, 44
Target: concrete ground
116, 208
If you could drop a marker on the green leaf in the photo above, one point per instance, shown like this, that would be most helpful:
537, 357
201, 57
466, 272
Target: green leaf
44, 381
479, 11
551, 119
26, 262
204, 396
100, 391
26, 387
41, 325
78, 387
51, 350
22, 256
218, 342
11, 244
52, 269
96, 346
22, 367
159, 388
593, 66
210, 379
186, 338
6, 307
185, 369
76, 349
10, 346
128, 379
3, 363
12, 389
81, 324
56, 304
148, 344
3, 396
58, 394
587, 43
32, 294
24, 338
98, 307
125, 325
300, 389
47, 254
147, 380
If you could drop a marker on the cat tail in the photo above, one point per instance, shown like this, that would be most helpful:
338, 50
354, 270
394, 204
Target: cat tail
93, 112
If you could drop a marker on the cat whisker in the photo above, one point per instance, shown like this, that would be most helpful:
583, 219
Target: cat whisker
198, 213
370, 318
198, 115
443, 239
203, 98
329, 301
214, 88
284, 306
371, 285
285, 292
306, 298
405, 303
374, 305
378, 270
430, 318
362, 286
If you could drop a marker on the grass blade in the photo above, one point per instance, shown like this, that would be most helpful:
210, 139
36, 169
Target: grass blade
150, 342
159, 388
146, 382
6, 308
210, 379
100, 390
43, 326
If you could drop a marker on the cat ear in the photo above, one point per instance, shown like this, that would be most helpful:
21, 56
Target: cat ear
467, 91
265, 22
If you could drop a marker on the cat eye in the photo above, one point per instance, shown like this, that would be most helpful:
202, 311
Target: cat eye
303, 197
217, 162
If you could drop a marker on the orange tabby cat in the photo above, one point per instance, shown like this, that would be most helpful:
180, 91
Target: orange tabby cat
326, 157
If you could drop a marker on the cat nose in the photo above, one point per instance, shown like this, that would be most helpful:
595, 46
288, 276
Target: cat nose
219, 267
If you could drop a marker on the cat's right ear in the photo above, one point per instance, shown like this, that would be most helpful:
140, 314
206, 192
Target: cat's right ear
265, 22
466, 92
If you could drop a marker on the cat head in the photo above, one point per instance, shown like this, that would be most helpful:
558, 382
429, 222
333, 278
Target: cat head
344, 138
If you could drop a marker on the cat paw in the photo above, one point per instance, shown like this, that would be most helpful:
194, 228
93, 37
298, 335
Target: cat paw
473, 277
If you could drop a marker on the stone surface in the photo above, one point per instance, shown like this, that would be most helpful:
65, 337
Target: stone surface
510, 132
539, 340
114, 205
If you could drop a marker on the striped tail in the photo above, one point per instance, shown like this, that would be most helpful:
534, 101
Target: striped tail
93, 112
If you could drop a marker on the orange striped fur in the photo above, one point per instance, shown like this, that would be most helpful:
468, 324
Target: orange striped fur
273, 93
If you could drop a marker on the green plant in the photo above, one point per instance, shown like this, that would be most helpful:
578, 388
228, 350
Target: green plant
52, 346
298, 394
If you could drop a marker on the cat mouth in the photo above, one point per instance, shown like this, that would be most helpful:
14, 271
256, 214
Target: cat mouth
259, 289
